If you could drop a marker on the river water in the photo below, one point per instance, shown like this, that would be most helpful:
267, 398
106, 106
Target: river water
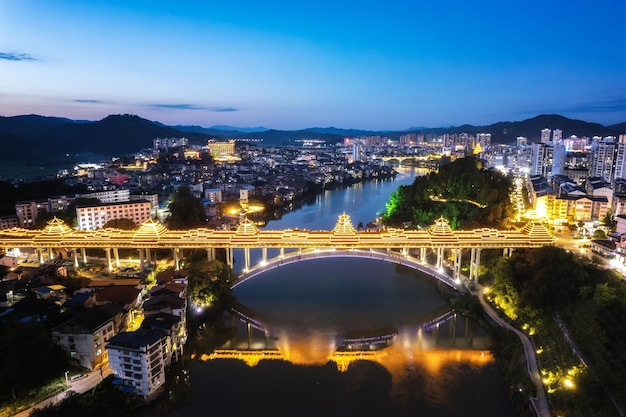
346, 336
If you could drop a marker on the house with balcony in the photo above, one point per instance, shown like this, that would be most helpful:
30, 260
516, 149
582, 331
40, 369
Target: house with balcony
84, 337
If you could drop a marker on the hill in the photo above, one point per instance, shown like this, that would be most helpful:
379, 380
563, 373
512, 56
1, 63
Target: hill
34, 137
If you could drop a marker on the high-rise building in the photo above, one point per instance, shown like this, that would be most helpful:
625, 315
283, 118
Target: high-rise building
545, 135
541, 159
603, 156
557, 135
358, 152
167, 143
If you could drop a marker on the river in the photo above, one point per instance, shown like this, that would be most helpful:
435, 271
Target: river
346, 336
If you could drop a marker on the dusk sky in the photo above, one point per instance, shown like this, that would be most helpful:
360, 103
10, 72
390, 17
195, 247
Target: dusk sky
297, 64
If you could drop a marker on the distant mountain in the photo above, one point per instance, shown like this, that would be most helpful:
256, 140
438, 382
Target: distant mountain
114, 135
507, 132
620, 127
33, 137
286, 137
240, 129
342, 132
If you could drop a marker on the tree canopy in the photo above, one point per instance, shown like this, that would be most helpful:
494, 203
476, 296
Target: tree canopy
463, 192
186, 211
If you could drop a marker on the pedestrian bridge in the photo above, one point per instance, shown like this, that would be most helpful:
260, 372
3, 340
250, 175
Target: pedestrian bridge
390, 244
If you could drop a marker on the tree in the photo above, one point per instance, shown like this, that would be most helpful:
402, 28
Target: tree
609, 221
186, 211
28, 358
124, 224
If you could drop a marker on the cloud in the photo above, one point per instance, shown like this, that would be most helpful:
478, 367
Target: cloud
17, 57
223, 109
183, 106
88, 101
178, 106
613, 102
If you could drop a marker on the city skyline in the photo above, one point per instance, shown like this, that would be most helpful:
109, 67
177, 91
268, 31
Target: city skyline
291, 66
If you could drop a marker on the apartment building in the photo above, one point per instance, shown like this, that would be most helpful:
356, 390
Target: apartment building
83, 337
139, 359
95, 217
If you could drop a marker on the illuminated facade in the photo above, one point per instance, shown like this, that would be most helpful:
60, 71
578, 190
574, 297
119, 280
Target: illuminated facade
152, 234
222, 151
95, 217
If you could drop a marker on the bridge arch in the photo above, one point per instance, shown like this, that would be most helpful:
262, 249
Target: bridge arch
389, 256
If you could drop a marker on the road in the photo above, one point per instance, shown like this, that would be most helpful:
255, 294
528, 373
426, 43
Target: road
79, 386
540, 403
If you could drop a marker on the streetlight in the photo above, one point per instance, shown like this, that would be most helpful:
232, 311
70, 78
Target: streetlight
67, 381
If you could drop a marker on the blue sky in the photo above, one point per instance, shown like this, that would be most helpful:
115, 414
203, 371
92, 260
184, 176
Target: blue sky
290, 65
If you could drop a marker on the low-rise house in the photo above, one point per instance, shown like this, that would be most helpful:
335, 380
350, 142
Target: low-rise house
84, 336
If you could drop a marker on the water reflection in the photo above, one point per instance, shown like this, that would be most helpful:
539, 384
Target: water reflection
433, 350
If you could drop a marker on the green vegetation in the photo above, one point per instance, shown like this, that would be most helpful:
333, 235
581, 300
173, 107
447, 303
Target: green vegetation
103, 401
565, 303
209, 281
31, 366
463, 192
186, 211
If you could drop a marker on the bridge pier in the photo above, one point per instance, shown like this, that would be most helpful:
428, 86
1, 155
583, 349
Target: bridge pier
141, 260
107, 251
83, 252
176, 260
456, 274
230, 260
40, 255
282, 252
423, 255
50, 255
210, 254
474, 264
116, 256
246, 259
439, 263
264, 255
75, 254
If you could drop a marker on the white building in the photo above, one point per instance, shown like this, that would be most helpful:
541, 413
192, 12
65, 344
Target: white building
94, 217
112, 196
140, 358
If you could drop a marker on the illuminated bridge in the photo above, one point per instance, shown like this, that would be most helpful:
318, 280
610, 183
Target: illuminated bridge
408, 247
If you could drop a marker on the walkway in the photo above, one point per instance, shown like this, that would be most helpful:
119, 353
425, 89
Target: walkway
80, 386
540, 403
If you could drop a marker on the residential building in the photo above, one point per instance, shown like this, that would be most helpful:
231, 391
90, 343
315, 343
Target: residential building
94, 217
111, 196
28, 211
9, 221
83, 337
167, 143
139, 359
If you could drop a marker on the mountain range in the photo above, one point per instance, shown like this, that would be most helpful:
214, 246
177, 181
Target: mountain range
34, 137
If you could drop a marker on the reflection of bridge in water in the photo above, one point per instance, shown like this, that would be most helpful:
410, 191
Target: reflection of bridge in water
442, 341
